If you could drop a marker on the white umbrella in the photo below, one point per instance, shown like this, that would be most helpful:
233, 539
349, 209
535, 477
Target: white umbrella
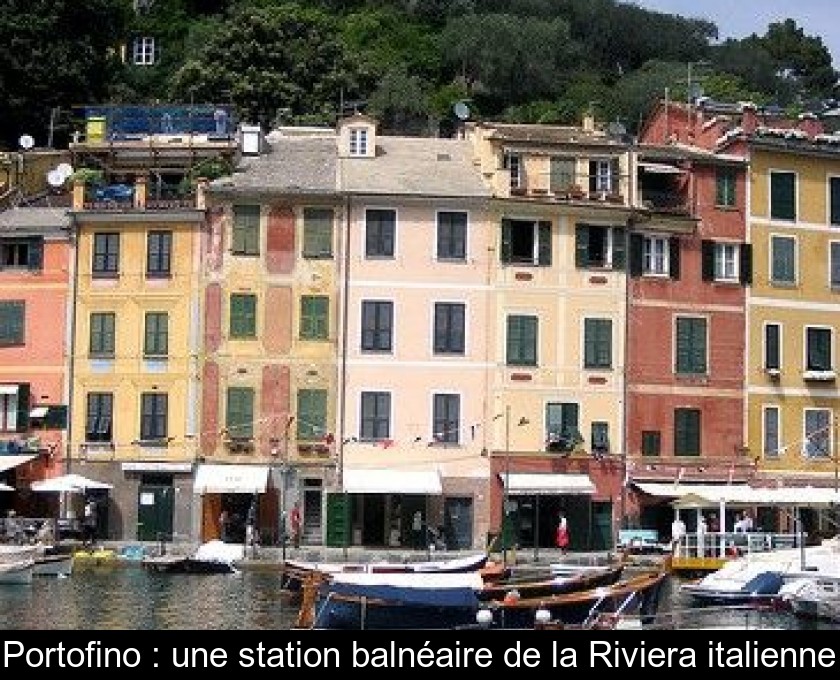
69, 484
6, 487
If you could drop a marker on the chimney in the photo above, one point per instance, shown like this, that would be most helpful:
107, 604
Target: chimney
749, 117
810, 124
78, 194
589, 122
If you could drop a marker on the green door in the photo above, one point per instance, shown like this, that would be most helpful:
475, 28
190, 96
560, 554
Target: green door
602, 529
155, 504
338, 520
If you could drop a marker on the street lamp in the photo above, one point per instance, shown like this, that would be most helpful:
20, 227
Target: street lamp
505, 491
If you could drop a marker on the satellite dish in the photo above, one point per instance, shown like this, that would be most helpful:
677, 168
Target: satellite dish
65, 169
26, 142
56, 178
462, 111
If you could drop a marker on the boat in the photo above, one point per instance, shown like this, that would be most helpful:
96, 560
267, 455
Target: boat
295, 572
447, 601
16, 571
213, 557
813, 597
758, 578
53, 564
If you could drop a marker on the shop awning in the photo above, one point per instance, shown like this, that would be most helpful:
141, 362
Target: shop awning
6, 487
712, 495
361, 480
70, 483
660, 168
231, 479
9, 462
542, 484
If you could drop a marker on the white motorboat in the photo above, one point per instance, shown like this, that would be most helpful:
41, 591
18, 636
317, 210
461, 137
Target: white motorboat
53, 564
814, 597
17, 572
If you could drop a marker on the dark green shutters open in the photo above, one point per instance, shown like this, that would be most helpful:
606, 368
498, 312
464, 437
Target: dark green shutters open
582, 246
23, 406
746, 266
544, 243
507, 240
674, 257
338, 520
637, 254
707, 253
619, 247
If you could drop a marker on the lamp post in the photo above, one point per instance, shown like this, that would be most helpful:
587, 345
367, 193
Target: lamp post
505, 491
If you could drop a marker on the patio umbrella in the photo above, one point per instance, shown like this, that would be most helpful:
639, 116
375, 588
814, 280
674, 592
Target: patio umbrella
71, 483
6, 487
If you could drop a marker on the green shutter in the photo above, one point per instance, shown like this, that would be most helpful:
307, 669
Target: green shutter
782, 196
338, 520
619, 247
544, 243
36, 253
683, 353
835, 200
311, 414
314, 317
569, 418
674, 257
637, 254
582, 246
239, 418
707, 249
507, 240
745, 253
23, 407
771, 346
243, 316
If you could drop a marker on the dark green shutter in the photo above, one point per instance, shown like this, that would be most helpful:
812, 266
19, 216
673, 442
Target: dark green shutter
615, 175
240, 412
771, 346
619, 247
782, 196
835, 200
707, 249
36, 253
593, 176
311, 414
23, 406
569, 419
544, 243
338, 520
637, 254
674, 257
745, 253
683, 353
582, 246
507, 240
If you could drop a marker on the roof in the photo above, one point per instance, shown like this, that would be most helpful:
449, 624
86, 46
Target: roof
34, 221
415, 166
292, 165
548, 134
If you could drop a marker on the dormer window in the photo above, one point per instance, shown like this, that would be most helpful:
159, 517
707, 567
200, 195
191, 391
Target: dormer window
358, 141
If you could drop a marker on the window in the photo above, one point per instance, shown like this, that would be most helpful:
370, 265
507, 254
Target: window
375, 417
690, 345
377, 325
246, 230
561, 426
686, 432
817, 349
451, 235
783, 259
782, 195
597, 343
834, 265
103, 334
12, 322
239, 415
99, 418
314, 317
159, 254
562, 177
154, 412
603, 175
526, 242
599, 247
358, 141
521, 340
144, 51
106, 255
243, 315
834, 200
725, 187
772, 347
156, 341
446, 419
449, 327
655, 256
14, 408
600, 437
311, 414
513, 163
651, 442
726, 262
771, 442
317, 233
817, 440
25, 253
380, 232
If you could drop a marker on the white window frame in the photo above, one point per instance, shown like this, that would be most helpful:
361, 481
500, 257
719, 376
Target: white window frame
727, 262
459, 439
656, 263
604, 180
829, 427
358, 141
786, 237
813, 326
143, 51
8, 412
831, 244
765, 451
513, 163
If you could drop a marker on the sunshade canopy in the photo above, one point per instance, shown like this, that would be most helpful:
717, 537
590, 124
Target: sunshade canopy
70, 483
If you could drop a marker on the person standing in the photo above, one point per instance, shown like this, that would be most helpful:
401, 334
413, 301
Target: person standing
295, 525
417, 529
90, 523
677, 533
562, 535
224, 525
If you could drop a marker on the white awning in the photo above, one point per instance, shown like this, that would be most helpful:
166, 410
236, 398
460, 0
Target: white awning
660, 168
39, 412
361, 480
9, 462
712, 495
9, 389
70, 483
541, 484
231, 479
6, 487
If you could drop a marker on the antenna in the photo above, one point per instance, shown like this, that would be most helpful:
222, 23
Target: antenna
462, 111
26, 142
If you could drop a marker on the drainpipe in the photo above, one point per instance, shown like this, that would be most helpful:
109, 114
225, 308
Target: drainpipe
342, 438
70, 336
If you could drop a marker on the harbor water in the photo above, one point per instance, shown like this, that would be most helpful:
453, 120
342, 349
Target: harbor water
134, 599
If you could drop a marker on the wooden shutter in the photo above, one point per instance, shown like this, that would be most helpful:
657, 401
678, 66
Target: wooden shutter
782, 195
615, 176
745, 253
240, 412
507, 240
338, 520
36, 253
582, 246
637, 254
772, 346
544, 244
674, 257
707, 250
593, 176
311, 414
619, 247
23, 406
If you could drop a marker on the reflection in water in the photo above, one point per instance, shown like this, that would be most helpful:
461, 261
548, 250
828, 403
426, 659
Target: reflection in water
130, 598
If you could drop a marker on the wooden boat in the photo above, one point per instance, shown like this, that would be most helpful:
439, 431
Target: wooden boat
424, 601
56, 564
16, 571
214, 557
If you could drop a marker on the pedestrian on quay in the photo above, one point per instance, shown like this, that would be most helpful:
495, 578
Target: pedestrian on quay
294, 524
562, 534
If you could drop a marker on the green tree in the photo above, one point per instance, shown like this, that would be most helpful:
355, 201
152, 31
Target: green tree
804, 57
266, 60
56, 53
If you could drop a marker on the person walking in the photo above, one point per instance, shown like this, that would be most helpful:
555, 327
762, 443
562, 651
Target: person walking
562, 536
677, 532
